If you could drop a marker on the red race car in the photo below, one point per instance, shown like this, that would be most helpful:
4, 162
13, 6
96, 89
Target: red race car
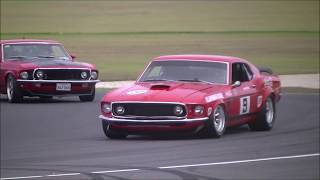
45, 69
196, 93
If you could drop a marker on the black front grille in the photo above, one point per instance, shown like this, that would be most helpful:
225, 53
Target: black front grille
63, 74
148, 109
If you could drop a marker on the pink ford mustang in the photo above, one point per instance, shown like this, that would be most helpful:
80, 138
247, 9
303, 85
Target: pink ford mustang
198, 93
45, 69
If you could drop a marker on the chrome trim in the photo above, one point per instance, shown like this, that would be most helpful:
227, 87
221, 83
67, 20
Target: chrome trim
148, 102
59, 95
36, 69
58, 81
149, 117
147, 121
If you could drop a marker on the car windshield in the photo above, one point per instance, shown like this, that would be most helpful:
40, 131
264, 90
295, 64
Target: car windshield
32, 51
186, 71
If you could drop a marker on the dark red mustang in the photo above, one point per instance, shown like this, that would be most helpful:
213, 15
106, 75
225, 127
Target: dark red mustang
199, 93
45, 69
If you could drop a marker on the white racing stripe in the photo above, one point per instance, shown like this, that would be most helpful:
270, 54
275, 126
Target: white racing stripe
170, 167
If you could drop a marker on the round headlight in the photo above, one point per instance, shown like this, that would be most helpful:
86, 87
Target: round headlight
120, 110
106, 108
178, 110
84, 75
24, 75
94, 75
198, 110
40, 74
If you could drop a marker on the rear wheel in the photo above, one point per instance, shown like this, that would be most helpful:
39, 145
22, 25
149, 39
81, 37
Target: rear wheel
88, 98
13, 91
216, 125
111, 133
265, 118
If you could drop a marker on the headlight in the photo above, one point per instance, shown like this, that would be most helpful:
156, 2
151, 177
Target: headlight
40, 74
106, 108
24, 75
84, 75
94, 75
178, 110
120, 110
198, 110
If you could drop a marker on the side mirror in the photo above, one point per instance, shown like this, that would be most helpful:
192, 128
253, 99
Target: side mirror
236, 84
73, 56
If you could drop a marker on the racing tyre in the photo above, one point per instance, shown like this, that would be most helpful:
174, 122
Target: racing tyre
112, 134
13, 91
216, 125
88, 98
265, 118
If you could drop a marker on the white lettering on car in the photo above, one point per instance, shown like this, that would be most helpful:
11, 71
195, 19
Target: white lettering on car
259, 101
135, 92
214, 97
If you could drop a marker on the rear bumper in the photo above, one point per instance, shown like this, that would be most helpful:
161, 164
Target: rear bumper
48, 87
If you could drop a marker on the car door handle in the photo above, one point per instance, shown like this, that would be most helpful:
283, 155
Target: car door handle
253, 86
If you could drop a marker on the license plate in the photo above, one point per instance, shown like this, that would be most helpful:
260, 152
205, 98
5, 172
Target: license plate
63, 86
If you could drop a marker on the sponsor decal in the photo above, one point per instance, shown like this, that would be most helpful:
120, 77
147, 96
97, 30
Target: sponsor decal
135, 92
259, 101
228, 93
213, 97
268, 81
244, 105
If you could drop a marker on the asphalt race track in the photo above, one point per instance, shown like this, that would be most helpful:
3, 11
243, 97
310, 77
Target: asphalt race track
63, 139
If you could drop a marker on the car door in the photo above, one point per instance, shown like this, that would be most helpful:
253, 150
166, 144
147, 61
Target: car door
244, 95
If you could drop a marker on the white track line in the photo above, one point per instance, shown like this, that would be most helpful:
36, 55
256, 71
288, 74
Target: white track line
171, 167
241, 161
114, 171
68, 174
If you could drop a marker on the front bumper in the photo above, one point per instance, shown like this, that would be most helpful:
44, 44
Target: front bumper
48, 87
111, 119
147, 126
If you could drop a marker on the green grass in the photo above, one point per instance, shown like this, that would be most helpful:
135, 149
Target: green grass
120, 37
300, 90
150, 16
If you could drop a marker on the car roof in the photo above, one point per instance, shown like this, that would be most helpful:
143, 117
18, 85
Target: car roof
199, 57
17, 41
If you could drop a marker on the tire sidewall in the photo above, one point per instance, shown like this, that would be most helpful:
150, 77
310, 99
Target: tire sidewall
210, 129
16, 94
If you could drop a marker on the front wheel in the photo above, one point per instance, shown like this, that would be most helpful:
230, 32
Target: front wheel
111, 133
13, 91
88, 98
216, 125
265, 118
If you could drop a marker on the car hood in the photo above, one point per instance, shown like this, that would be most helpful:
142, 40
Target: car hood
168, 92
50, 63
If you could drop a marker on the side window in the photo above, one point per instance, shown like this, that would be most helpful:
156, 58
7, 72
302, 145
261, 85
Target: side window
240, 72
236, 72
248, 71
